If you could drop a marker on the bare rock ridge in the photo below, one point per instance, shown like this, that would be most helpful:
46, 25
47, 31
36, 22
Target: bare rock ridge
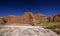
53, 18
8, 30
40, 18
26, 18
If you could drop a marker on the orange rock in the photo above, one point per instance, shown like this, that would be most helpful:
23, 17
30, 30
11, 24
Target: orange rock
40, 18
10, 19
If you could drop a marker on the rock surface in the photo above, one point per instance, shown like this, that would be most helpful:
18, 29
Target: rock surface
2, 21
40, 18
26, 18
9, 30
10, 19
55, 18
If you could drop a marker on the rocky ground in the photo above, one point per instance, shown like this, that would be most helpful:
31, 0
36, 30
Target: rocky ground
28, 20
9, 30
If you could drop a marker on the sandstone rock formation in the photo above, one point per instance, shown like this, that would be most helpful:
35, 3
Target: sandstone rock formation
26, 18
10, 19
2, 20
54, 18
9, 30
40, 18
29, 17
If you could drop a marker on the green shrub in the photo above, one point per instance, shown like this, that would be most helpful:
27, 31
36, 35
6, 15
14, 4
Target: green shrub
53, 25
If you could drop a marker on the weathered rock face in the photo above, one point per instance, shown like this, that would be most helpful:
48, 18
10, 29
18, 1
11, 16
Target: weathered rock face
54, 18
26, 18
2, 21
8, 30
10, 19
40, 18
29, 17
50, 18
57, 17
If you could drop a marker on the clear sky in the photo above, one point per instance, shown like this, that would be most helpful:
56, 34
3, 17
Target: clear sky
18, 7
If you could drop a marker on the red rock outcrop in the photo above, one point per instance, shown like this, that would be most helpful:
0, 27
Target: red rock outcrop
54, 18
29, 17
10, 19
26, 18
40, 18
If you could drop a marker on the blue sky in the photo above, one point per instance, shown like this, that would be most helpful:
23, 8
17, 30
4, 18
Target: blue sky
18, 7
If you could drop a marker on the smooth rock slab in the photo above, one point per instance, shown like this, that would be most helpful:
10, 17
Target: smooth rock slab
9, 30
